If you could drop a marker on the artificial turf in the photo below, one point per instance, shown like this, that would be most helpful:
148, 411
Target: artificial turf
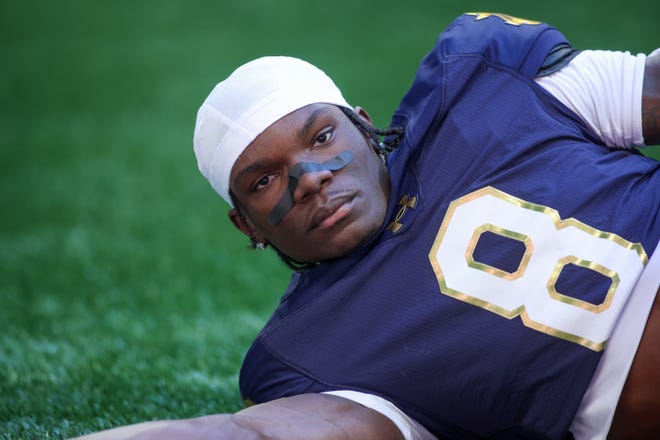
125, 293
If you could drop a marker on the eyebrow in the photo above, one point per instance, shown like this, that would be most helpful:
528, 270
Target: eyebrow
253, 167
311, 120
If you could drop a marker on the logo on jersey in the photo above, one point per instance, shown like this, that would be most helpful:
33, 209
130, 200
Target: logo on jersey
508, 19
405, 203
564, 278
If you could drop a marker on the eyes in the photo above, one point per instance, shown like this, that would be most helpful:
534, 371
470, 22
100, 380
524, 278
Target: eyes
324, 138
263, 182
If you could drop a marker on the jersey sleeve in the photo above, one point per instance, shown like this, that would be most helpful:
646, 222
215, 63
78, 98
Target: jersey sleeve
264, 377
471, 43
516, 43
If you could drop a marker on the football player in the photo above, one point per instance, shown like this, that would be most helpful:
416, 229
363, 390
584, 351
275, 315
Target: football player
484, 268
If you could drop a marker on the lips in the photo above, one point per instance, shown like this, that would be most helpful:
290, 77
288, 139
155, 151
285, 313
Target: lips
332, 212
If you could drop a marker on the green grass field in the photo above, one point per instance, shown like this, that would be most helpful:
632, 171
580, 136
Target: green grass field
125, 294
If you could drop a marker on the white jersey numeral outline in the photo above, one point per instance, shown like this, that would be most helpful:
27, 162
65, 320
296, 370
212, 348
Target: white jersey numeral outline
550, 244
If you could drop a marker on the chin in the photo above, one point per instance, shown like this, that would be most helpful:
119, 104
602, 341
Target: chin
356, 240
342, 242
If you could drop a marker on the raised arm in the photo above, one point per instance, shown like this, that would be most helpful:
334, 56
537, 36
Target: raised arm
651, 99
306, 416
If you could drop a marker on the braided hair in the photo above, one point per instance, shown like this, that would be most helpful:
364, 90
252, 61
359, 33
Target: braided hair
393, 136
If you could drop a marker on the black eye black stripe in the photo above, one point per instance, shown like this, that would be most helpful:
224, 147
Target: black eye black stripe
286, 202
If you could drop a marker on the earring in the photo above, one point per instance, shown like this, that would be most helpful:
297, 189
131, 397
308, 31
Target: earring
259, 245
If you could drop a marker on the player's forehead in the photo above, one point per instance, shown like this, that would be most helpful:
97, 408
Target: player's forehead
297, 126
301, 120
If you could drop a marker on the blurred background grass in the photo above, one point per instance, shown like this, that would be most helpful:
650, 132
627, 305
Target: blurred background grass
125, 294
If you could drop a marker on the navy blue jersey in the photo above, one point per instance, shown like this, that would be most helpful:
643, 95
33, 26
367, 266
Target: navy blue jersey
513, 240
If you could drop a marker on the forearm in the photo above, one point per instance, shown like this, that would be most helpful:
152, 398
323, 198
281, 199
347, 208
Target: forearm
651, 100
316, 416
217, 426
307, 416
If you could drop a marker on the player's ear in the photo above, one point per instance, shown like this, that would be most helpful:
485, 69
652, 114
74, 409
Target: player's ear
244, 225
362, 113
237, 221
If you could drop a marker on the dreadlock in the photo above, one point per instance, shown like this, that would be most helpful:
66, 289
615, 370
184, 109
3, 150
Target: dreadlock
393, 136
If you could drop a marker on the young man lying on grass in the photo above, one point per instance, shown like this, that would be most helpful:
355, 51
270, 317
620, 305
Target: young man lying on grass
484, 268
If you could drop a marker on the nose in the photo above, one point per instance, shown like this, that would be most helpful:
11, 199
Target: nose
311, 183
305, 179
